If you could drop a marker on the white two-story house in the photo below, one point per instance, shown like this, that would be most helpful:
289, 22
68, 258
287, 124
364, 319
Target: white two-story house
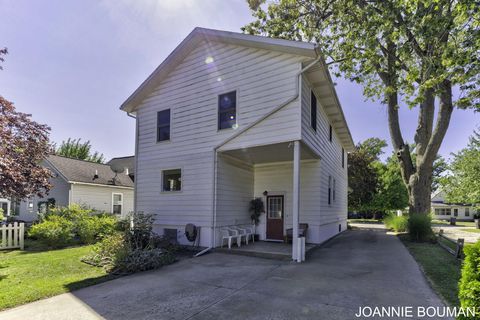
229, 117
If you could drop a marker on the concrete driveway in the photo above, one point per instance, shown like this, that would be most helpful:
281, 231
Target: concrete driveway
357, 268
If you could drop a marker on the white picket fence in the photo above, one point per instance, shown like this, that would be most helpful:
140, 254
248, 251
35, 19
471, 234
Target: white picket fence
12, 236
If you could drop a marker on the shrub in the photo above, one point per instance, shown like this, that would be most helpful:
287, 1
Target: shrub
108, 253
133, 249
1, 214
82, 223
420, 227
54, 232
106, 225
469, 287
140, 235
91, 229
142, 260
396, 223
72, 212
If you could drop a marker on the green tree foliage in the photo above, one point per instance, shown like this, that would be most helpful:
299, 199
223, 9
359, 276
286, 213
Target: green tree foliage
391, 193
377, 186
75, 148
415, 50
24, 143
3, 52
362, 174
469, 286
462, 185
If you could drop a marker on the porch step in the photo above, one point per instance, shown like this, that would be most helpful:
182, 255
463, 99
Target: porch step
267, 250
265, 255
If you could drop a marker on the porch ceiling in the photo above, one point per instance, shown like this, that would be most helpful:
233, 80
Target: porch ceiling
270, 153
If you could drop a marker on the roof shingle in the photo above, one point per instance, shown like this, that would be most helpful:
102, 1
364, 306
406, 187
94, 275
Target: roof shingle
84, 171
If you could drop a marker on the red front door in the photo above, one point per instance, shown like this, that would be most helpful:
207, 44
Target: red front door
275, 217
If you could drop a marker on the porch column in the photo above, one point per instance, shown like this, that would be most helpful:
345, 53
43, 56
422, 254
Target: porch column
296, 198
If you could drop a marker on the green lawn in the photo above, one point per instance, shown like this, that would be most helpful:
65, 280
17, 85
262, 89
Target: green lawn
471, 230
34, 274
459, 223
440, 267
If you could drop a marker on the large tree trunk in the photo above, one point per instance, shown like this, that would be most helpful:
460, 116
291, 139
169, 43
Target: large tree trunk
419, 190
418, 178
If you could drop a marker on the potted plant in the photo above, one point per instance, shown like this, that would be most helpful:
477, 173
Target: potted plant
256, 209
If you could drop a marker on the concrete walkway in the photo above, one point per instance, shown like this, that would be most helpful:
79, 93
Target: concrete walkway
357, 268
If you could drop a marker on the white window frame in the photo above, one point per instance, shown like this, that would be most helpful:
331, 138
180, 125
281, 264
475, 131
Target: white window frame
181, 181
113, 201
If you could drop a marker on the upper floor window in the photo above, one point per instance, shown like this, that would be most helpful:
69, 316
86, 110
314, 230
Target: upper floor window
343, 158
334, 189
163, 125
330, 133
329, 189
172, 180
227, 110
313, 111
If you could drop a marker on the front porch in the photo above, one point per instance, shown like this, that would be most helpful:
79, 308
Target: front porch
281, 175
266, 249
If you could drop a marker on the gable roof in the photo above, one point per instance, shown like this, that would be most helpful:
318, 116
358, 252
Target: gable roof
74, 170
305, 49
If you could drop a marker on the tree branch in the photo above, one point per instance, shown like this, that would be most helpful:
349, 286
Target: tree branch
443, 121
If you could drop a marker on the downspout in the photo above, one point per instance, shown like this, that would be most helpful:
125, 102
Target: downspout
298, 79
135, 163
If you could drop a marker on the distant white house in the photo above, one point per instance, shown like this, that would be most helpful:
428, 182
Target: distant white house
229, 117
87, 183
444, 211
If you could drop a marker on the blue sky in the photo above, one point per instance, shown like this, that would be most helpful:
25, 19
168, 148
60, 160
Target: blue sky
72, 63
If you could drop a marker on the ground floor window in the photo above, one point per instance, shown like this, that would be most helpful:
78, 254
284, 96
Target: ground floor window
443, 212
117, 203
30, 205
467, 212
171, 180
15, 207
4, 207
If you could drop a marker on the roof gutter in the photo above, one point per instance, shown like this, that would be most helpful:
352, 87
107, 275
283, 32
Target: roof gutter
298, 79
135, 162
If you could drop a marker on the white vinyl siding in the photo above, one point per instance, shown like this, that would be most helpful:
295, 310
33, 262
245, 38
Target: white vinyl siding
59, 191
331, 158
101, 197
277, 179
262, 79
234, 191
446, 212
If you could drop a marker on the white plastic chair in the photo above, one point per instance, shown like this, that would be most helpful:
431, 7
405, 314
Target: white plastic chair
228, 235
241, 233
250, 230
